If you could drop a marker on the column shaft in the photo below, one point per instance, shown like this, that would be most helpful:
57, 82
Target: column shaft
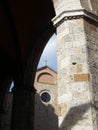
23, 109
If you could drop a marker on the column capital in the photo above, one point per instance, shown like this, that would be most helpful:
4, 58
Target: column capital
74, 14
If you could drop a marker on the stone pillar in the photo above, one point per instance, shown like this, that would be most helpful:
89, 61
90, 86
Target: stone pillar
3, 91
77, 50
23, 108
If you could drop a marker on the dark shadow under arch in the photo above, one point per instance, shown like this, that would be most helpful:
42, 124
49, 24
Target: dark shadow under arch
37, 48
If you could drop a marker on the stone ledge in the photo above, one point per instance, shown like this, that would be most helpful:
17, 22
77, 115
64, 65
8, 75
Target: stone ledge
73, 14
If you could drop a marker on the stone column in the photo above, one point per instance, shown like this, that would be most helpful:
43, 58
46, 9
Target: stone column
77, 50
23, 108
3, 90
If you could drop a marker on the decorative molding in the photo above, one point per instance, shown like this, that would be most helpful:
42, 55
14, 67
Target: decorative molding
74, 14
67, 18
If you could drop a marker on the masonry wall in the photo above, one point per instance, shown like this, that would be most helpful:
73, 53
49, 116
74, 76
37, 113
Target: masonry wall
76, 20
91, 31
74, 89
7, 111
45, 113
45, 117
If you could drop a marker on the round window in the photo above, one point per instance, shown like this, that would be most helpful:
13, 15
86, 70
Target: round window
45, 97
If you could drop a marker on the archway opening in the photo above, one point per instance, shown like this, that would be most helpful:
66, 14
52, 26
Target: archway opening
46, 86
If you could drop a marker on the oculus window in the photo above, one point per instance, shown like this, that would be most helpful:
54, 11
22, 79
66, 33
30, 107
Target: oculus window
45, 97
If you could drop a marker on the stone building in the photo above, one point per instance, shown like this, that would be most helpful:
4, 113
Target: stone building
25, 27
45, 99
45, 116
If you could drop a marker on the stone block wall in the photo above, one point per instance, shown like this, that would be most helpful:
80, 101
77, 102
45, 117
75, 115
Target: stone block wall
91, 31
72, 5
46, 111
7, 111
74, 89
76, 22
61, 5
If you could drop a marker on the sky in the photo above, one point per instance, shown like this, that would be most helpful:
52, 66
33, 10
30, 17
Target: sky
49, 54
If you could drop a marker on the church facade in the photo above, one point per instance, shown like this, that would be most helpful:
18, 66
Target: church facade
45, 109
45, 112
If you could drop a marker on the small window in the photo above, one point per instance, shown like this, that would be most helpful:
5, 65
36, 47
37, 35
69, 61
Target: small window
45, 97
11, 86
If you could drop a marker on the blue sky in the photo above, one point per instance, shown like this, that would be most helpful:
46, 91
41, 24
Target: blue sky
49, 54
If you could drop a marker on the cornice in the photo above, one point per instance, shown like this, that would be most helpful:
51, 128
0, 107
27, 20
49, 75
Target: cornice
74, 14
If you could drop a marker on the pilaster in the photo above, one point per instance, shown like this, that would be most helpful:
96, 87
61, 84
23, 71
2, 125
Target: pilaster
77, 48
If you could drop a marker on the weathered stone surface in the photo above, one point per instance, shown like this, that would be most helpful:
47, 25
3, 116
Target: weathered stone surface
46, 113
58, 110
77, 46
81, 77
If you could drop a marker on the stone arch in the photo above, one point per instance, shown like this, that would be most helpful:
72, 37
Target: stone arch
36, 52
45, 78
23, 87
33, 60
